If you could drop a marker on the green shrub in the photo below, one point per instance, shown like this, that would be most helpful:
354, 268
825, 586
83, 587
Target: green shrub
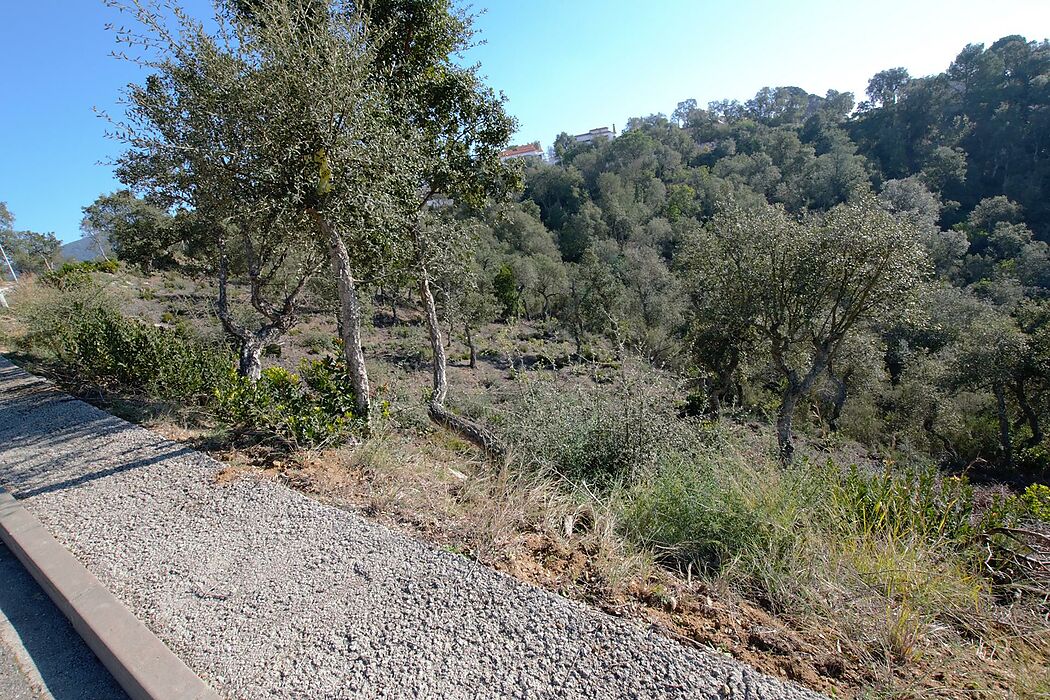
51, 314
919, 537
716, 512
310, 409
600, 435
73, 273
1036, 500
79, 324
907, 501
129, 355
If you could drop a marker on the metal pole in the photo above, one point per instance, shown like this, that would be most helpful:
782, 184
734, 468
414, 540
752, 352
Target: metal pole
10, 267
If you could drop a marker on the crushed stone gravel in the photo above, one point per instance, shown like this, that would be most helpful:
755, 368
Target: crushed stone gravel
266, 593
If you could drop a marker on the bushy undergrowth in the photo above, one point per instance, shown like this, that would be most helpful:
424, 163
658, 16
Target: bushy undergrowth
80, 325
88, 334
599, 435
71, 274
713, 512
903, 561
308, 409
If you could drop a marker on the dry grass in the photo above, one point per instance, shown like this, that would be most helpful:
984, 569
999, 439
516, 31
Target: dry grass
854, 615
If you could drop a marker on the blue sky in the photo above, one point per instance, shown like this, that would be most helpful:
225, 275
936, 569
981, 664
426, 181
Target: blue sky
567, 65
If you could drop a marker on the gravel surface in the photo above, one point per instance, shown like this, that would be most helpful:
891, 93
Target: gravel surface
268, 594
41, 656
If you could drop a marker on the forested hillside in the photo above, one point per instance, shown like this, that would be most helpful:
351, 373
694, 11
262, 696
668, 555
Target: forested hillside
772, 376
631, 241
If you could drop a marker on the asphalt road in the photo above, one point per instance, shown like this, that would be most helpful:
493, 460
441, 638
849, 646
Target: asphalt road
41, 655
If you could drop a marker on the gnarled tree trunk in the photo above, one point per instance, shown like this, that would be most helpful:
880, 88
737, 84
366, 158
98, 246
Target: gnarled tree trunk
349, 317
796, 388
251, 342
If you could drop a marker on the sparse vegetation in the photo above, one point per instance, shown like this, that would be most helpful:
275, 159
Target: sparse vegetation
773, 376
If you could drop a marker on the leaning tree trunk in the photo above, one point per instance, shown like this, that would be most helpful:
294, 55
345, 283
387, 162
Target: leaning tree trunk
349, 318
1004, 425
478, 435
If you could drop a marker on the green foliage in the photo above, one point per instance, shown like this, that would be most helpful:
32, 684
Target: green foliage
505, 288
1036, 500
914, 502
161, 363
714, 511
85, 330
140, 233
28, 251
77, 273
594, 435
786, 534
304, 410
81, 325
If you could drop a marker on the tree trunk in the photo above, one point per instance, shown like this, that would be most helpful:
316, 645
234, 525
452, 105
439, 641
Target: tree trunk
249, 365
101, 248
478, 435
1030, 416
524, 303
349, 318
1004, 425
437, 347
785, 442
841, 388
470, 344
724, 386
795, 390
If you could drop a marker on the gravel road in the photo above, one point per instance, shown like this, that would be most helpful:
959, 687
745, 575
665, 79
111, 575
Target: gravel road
268, 594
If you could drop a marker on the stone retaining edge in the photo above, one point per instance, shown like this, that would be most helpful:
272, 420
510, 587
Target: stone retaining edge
143, 666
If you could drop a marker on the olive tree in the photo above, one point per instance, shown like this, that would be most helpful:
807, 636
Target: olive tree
272, 128
802, 285
460, 127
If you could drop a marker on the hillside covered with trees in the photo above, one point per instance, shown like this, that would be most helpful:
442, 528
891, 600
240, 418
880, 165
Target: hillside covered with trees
773, 376
895, 250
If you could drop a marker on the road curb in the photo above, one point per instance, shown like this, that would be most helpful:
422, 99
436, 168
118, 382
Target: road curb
138, 660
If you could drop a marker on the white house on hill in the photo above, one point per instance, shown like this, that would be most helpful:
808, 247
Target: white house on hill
597, 134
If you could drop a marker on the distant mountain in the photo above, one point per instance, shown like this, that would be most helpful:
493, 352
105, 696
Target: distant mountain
82, 249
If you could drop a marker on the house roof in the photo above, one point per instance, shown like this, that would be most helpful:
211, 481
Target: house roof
521, 150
